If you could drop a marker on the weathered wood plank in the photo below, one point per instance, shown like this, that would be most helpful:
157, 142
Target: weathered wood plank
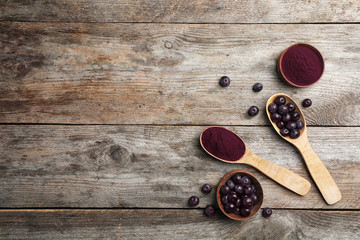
167, 74
181, 11
156, 166
175, 224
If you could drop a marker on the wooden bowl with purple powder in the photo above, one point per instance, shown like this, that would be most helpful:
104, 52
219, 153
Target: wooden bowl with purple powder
301, 65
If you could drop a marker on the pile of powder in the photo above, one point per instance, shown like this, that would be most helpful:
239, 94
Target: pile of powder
302, 65
223, 143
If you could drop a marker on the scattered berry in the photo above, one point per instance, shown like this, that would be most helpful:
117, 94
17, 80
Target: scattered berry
253, 111
224, 81
209, 211
267, 212
257, 87
307, 102
193, 201
206, 188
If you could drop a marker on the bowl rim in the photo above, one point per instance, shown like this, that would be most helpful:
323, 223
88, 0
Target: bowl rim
281, 73
258, 187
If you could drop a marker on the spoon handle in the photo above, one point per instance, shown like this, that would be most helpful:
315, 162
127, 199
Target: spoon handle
279, 174
320, 174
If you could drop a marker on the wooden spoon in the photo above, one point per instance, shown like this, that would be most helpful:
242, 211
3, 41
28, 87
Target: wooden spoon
279, 174
317, 169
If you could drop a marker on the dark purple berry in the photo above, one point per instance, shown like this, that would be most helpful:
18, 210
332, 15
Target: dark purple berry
307, 102
280, 100
236, 179
239, 189
291, 107
245, 181
254, 188
253, 110
249, 190
232, 198
283, 109
257, 87
224, 81
280, 124
275, 117
284, 132
206, 188
224, 199
236, 211
272, 107
267, 212
209, 211
299, 124
193, 201
224, 189
230, 184
238, 202
245, 212
286, 118
229, 207
294, 133
247, 202
295, 116
291, 125
255, 198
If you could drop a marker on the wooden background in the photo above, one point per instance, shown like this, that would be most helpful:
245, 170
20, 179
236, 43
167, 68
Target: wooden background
102, 104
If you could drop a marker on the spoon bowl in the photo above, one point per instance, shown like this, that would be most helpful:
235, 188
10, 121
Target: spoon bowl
316, 167
303, 132
277, 173
254, 181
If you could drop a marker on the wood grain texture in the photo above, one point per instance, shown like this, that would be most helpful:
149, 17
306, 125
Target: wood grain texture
156, 166
181, 11
168, 73
175, 224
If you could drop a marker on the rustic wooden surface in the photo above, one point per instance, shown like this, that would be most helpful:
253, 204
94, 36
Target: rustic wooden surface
181, 11
168, 73
102, 104
175, 224
156, 166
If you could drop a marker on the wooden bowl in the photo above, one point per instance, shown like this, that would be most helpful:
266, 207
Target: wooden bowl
280, 70
254, 181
